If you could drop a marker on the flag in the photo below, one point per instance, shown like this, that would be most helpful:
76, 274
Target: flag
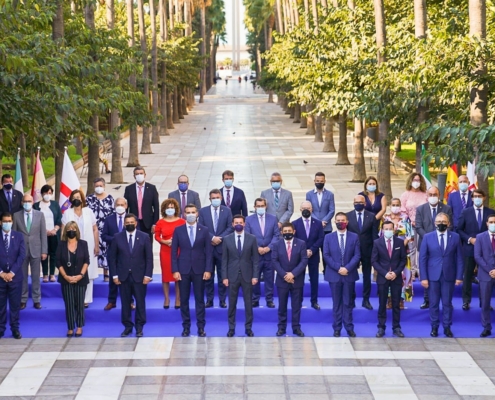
38, 179
471, 174
425, 171
452, 181
69, 182
18, 176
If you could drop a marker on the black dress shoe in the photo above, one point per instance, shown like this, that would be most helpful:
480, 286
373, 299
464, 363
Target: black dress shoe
485, 333
434, 332
186, 332
37, 306
201, 332
230, 333
256, 304
336, 333
270, 304
139, 333
249, 333
366, 304
126, 332
280, 332
351, 333
23, 306
16, 334
223, 304
298, 332
398, 333
425, 305
466, 306
380, 333
316, 306
447, 332
209, 304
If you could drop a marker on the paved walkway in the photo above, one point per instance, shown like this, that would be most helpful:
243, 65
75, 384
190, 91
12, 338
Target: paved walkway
265, 141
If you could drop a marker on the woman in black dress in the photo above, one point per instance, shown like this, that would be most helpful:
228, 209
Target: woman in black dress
73, 260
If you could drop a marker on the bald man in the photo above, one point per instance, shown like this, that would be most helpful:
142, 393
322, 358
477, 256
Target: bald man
31, 223
310, 230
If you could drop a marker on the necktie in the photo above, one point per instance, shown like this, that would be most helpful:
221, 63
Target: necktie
120, 224
183, 204
307, 228
463, 200
216, 219
9, 199
493, 242
28, 224
6, 242
342, 248
191, 235
276, 198
130, 243
434, 214
442, 243
239, 245
479, 218
228, 198
289, 250
140, 202
360, 221
262, 225
389, 247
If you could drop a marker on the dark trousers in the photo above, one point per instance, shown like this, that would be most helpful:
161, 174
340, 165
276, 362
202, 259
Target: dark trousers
210, 283
342, 297
73, 296
10, 293
467, 282
128, 289
441, 290
395, 287
295, 303
313, 280
198, 285
486, 288
50, 260
247, 289
366, 270
143, 228
265, 268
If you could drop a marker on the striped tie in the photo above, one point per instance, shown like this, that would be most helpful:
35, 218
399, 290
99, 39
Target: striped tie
463, 200
342, 248
276, 198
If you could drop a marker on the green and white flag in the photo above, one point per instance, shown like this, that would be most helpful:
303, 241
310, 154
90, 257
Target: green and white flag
424, 168
18, 176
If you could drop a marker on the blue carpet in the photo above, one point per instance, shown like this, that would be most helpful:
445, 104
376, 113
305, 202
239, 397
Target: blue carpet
50, 321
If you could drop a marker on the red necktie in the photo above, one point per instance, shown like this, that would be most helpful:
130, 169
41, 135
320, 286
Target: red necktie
493, 243
289, 250
140, 202
228, 198
389, 247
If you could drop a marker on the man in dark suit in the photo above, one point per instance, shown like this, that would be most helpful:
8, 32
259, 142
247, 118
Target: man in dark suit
233, 197
240, 269
310, 230
184, 195
389, 260
425, 222
484, 254
142, 200
192, 263
289, 260
342, 254
265, 228
10, 199
364, 224
131, 268
218, 220
471, 222
12, 254
459, 200
441, 267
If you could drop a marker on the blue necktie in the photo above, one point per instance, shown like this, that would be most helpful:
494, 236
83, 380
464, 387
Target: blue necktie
463, 200
479, 218
342, 247
276, 198
442, 243
130, 243
6, 242
191, 235
239, 246
360, 222
434, 214
120, 224
9, 199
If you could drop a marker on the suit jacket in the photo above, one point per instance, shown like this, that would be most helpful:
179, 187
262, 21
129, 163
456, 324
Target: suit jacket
326, 211
315, 240
467, 227
247, 262
192, 197
424, 219
368, 234
455, 203
110, 229
433, 261
16, 201
297, 263
36, 241
285, 204
123, 263
12, 261
333, 259
238, 203
484, 256
82, 257
151, 205
224, 227
383, 263
272, 233
198, 258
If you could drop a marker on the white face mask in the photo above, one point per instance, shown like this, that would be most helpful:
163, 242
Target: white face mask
415, 184
47, 197
395, 209
433, 200
99, 190
140, 178
120, 210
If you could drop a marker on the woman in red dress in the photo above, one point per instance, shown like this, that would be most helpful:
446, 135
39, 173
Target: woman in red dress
164, 230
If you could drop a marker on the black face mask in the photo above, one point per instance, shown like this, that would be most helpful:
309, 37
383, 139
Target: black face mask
71, 234
288, 236
76, 203
319, 186
306, 213
442, 227
8, 186
130, 227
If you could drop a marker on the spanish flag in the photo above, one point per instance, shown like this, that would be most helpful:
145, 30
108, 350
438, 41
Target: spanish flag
452, 181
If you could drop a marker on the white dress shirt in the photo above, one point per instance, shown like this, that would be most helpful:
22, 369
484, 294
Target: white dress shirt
444, 237
319, 195
242, 239
224, 193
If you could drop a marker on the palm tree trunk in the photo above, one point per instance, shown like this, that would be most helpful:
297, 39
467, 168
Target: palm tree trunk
155, 133
175, 105
420, 27
306, 15
359, 171
297, 113
315, 15
318, 128
162, 12
170, 112
329, 146
279, 22
179, 103
342, 156
202, 88
184, 101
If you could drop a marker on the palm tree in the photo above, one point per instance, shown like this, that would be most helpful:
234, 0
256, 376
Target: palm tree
420, 26
155, 133
163, 70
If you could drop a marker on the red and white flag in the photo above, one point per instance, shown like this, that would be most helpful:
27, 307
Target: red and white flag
471, 175
38, 179
70, 182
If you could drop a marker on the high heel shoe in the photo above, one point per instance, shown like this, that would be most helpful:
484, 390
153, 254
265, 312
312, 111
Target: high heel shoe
166, 307
79, 334
177, 307
70, 333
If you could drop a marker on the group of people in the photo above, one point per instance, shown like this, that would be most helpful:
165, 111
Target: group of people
417, 236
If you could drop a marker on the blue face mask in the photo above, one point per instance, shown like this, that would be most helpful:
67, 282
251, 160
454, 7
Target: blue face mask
491, 228
228, 183
183, 187
7, 226
261, 211
478, 201
388, 234
371, 188
170, 211
216, 202
191, 218
276, 185
27, 206
463, 186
